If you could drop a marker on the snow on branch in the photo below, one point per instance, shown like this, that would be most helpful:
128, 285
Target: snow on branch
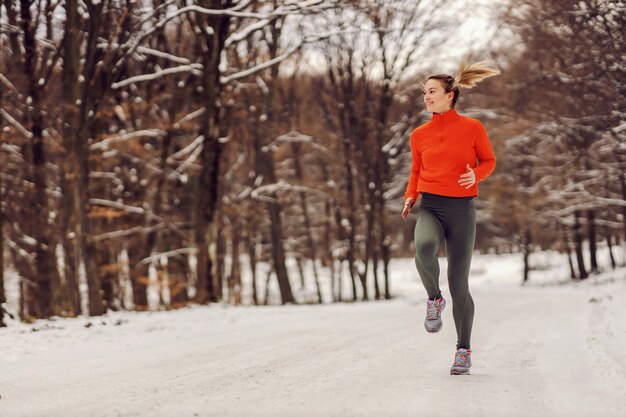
608, 223
163, 55
283, 186
169, 254
193, 68
14, 150
186, 150
127, 232
609, 201
196, 148
4, 80
296, 137
156, 10
136, 210
14, 30
18, 180
240, 161
104, 144
310, 38
9, 29
245, 32
15, 124
288, 8
117, 205
569, 210
105, 44
261, 66
190, 116
619, 128
99, 174
29, 257
291, 137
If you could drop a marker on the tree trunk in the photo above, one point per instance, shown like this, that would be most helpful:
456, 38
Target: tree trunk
351, 220
300, 266
3, 299
106, 255
369, 243
157, 194
578, 243
211, 46
138, 282
23, 299
340, 281
266, 298
375, 260
69, 81
609, 243
381, 174
252, 255
328, 258
87, 251
268, 171
318, 287
220, 253
46, 282
13, 35
264, 167
568, 251
384, 245
333, 281
386, 252
235, 275
278, 253
385, 249
622, 181
91, 94
591, 227
572, 271
312, 252
526, 250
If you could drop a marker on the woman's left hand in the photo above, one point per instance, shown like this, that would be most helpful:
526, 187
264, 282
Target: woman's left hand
468, 179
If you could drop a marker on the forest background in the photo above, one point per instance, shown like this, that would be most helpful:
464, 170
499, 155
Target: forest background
152, 151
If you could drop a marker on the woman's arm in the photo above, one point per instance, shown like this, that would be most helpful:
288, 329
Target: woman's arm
416, 164
485, 155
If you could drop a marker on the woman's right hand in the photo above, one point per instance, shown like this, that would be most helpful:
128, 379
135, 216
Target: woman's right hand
408, 205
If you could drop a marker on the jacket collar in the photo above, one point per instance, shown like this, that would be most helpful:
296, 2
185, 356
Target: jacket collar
449, 116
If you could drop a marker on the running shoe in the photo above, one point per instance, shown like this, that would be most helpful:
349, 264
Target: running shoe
434, 308
462, 362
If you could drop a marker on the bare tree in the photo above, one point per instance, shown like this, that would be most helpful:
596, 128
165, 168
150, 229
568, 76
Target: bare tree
561, 117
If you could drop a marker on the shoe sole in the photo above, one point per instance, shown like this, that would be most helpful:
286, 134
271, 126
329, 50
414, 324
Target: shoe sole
459, 371
433, 326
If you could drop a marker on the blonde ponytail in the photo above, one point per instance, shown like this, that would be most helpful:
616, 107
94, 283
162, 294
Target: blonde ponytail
469, 74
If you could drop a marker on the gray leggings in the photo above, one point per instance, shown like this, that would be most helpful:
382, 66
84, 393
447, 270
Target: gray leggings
452, 219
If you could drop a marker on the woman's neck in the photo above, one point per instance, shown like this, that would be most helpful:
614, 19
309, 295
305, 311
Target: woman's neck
442, 112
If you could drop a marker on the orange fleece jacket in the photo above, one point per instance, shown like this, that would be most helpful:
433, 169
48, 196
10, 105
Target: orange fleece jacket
440, 150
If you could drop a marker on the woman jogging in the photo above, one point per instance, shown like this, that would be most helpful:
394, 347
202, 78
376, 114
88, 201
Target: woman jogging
450, 155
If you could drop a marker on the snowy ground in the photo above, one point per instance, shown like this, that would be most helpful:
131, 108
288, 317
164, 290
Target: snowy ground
550, 348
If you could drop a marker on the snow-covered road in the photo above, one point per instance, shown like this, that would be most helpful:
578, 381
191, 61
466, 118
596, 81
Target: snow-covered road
538, 351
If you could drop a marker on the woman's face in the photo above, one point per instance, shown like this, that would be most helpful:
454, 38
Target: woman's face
436, 98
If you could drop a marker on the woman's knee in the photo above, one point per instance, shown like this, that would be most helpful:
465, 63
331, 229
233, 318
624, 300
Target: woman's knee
425, 247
